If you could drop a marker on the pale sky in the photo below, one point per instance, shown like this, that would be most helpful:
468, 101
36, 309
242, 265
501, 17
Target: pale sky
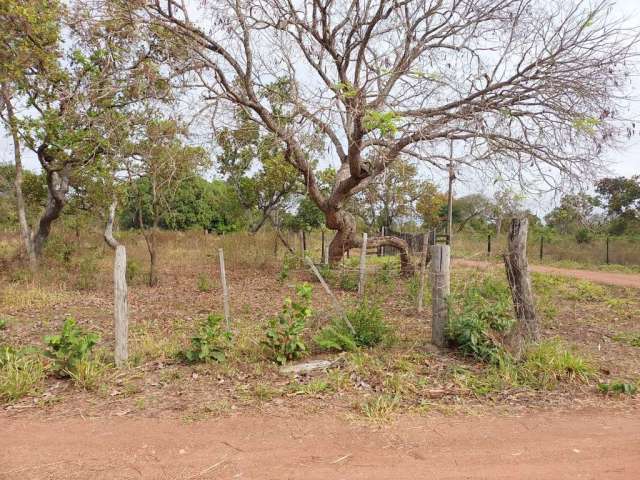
623, 161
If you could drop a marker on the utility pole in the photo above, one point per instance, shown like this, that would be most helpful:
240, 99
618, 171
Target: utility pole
452, 177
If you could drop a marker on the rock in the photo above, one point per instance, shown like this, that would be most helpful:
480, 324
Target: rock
306, 367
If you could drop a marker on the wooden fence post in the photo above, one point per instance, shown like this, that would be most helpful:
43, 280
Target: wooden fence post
423, 270
363, 265
517, 266
541, 247
489, 245
607, 250
225, 290
121, 309
440, 289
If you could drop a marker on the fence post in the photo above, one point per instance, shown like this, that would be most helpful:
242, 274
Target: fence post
517, 266
440, 288
382, 230
541, 247
121, 310
607, 249
363, 265
423, 270
489, 245
322, 249
225, 290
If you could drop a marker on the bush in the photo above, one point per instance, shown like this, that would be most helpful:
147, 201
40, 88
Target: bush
284, 332
73, 345
549, 362
485, 315
133, 270
209, 343
349, 281
619, 387
368, 324
584, 235
21, 373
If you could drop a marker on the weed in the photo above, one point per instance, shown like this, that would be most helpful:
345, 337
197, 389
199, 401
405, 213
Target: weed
380, 408
209, 343
632, 339
413, 289
204, 283
264, 392
3, 323
619, 387
284, 332
19, 298
21, 373
368, 324
584, 291
288, 262
314, 387
550, 361
70, 347
484, 316
88, 374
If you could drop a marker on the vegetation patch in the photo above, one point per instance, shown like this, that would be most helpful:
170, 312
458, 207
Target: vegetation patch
209, 343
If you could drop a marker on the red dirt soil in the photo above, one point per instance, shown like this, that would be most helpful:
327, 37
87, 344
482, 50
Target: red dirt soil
608, 278
596, 444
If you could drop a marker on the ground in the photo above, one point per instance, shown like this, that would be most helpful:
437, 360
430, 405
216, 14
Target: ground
402, 404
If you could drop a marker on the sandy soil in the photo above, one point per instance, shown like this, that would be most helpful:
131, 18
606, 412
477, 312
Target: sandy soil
608, 278
595, 444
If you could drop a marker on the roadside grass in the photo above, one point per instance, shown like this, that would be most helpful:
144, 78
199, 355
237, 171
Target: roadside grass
22, 373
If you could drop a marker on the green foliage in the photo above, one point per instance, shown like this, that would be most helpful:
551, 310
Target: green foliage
346, 89
21, 373
631, 339
204, 283
284, 332
384, 122
550, 362
586, 125
209, 343
288, 262
3, 323
584, 235
349, 281
620, 387
70, 347
368, 324
133, 270
481, 314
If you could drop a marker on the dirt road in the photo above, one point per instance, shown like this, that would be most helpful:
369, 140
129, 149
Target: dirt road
609, 278
588, 445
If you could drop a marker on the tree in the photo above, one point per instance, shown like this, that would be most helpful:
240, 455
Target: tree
474, 210
505, 203
160, 162
522, 86
575, 212
621, 196
432, 206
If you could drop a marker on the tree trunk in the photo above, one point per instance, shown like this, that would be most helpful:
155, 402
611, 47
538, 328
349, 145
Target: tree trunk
57, 187
153, 258
345, 239
25, 230
526, 328
498, 226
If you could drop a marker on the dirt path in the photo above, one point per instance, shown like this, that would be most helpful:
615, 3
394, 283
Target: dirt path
588, 445
620, 279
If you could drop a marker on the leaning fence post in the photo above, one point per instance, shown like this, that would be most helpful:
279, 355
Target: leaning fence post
363, 265
440, 288
225, 290
423, 270
517, 266
121, 310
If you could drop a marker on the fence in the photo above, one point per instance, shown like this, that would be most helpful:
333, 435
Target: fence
601, 250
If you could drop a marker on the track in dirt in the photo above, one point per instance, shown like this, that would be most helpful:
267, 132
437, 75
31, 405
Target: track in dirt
590, 445
608, 278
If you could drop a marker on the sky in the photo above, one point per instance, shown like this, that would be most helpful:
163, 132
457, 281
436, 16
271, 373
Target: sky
622, 161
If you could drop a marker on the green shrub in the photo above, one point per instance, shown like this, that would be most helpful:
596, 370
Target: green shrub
584, 235
204, 283
349, 281
480, 315
288, 262
71, 346
368, 324
284, 332
133, 270
619, 387
21, 373
209, 343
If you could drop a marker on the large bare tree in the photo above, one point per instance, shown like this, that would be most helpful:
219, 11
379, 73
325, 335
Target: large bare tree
518, 86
